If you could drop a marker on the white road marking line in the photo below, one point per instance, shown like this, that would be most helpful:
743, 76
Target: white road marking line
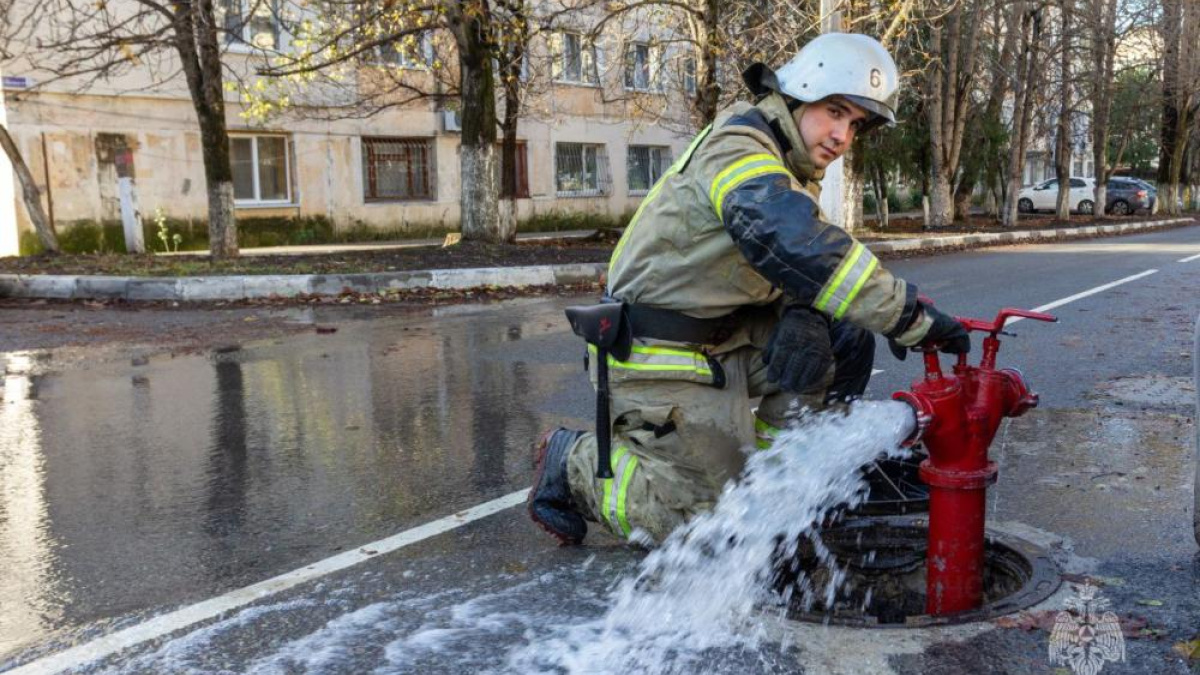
875, 371
1190, 258
1078, 296
187, 616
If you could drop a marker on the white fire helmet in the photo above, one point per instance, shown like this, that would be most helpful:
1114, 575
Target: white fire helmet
846, 64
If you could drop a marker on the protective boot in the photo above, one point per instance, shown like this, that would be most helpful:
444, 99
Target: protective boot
550, 502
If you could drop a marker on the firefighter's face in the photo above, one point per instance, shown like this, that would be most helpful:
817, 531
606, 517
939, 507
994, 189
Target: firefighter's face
828, 128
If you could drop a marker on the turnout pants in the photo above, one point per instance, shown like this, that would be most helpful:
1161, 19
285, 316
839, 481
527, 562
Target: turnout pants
677, 438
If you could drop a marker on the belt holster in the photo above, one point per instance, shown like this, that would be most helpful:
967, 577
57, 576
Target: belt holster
606, 327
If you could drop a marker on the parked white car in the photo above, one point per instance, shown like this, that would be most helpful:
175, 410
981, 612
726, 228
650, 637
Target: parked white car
1044, 196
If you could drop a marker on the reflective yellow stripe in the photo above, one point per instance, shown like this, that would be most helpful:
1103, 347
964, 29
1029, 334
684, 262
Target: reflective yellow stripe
764, 434
639, 349
758, 159
675, 168
625, 478
740, 172
862, 279
607, 485
698, 362
848, 263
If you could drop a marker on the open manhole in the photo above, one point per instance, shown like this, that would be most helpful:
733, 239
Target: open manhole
884, 563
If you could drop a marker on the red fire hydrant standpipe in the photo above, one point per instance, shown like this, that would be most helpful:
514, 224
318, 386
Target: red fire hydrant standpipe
963, 412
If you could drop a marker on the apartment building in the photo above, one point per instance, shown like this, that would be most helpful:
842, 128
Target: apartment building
601, 123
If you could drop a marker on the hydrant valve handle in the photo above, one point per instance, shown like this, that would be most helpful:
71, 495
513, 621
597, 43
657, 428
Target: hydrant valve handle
996, 326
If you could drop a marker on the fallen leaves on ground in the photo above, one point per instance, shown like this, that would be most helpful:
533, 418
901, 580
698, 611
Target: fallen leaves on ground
1132, 627
1189, 649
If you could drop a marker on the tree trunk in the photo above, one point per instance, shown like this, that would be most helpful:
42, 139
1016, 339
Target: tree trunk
962, 199
1027, 66
479, 200
200, 56
511, 73
879, 182
1103, 54
941, 206
708, 90
948, 87
30, 194
1062, 154
1172, 116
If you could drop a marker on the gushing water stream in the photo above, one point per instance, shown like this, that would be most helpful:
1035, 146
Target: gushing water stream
696, 604
703, 591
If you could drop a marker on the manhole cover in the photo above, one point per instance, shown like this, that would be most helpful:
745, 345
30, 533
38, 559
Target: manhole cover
1154, 390
881, 567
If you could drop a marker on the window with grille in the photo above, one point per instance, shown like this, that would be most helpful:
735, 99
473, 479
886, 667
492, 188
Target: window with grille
396, 169
581, 170
261, 169
522, 168
645, 165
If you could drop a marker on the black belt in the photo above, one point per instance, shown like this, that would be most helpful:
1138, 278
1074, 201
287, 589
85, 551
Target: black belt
673, 326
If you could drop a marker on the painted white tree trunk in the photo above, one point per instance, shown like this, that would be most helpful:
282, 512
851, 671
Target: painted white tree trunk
9, 242
220, 211
480, 194
131, 216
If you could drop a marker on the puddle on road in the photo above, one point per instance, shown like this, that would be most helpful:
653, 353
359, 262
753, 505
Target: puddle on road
122, 484
694, 604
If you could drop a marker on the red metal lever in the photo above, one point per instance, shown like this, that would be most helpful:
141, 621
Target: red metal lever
996, 325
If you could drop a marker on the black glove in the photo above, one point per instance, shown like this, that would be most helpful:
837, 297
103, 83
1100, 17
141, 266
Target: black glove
799, 353
950, 335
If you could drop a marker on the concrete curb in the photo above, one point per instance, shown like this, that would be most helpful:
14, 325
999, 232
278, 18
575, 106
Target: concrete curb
186, 289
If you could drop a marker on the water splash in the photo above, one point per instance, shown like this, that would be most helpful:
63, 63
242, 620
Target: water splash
695, 604
701, 593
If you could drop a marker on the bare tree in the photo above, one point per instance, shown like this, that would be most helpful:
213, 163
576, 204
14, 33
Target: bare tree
1063, 145
490, 46
30, 194
1102, 37
89, 43
1028, 16
1180, 30
953, 30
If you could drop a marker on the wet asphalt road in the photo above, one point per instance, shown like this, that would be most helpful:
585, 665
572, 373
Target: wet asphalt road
131, 489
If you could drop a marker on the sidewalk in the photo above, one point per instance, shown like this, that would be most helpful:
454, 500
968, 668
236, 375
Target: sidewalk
209, 288
383, 245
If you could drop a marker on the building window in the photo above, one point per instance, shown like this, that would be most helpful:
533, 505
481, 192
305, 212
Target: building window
641, 67
646, 164
410, 51
1078, 168
574, 59
522, 171
689, 75
251, 23
581, 170
261, 169
397, 169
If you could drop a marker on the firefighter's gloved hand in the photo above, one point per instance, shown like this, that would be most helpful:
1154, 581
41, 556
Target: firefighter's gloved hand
799, 353
931, 325
947, 332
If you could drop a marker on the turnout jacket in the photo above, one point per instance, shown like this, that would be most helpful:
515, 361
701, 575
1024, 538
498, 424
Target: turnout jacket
736, 222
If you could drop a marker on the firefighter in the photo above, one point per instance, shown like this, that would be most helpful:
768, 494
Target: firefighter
729, 285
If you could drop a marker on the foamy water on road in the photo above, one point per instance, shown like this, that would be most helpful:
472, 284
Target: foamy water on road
697, 603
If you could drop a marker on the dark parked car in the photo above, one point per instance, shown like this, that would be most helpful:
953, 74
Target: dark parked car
1125, 196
